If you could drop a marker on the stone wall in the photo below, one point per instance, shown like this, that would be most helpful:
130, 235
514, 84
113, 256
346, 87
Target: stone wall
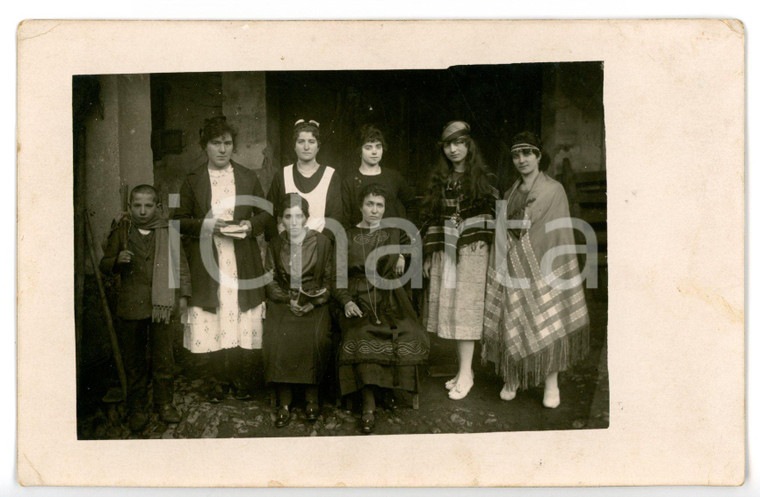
117, 148
572, 116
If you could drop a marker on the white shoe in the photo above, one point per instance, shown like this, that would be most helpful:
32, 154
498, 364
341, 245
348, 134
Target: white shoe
551, 398
461, 389
507, 394
450, 384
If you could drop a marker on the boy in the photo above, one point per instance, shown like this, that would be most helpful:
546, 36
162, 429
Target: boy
146, 304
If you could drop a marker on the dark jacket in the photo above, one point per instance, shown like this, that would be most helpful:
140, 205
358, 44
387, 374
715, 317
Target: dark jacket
134, 301
316, 248
195, 203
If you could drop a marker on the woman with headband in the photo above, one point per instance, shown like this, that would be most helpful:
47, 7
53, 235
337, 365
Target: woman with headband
536, 324
317, 183
460, 200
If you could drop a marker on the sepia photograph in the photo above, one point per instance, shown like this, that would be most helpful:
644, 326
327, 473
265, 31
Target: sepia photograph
471, 355
381, 253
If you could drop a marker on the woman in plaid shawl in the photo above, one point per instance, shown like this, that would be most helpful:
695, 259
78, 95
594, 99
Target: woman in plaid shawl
536, 321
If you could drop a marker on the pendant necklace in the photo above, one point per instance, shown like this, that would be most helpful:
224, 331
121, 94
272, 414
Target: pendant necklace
373, 306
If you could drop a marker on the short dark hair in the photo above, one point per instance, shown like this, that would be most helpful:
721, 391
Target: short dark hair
530, 138
308, 127
145, 189
216, 126
372, 189
370, 134
291, 200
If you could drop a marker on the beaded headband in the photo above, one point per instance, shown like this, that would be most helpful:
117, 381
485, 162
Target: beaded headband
524, 146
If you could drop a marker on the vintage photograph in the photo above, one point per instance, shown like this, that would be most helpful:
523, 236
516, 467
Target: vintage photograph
340, 252
381, 254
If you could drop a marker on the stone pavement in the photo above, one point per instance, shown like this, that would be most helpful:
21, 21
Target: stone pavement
584, 392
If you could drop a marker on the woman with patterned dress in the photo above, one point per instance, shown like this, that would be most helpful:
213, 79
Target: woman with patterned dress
536, 320
297, 342
225, 311
317, 183
382, 343
460, 200
400, 195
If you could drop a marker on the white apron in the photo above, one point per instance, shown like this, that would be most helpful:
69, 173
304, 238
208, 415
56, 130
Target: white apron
317, 198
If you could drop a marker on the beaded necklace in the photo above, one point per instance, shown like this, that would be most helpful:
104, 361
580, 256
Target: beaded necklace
373, 305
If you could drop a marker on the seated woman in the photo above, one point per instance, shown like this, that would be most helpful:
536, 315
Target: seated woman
297, 326
382, 344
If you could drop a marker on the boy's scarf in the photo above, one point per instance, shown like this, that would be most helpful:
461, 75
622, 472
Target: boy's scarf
162, 297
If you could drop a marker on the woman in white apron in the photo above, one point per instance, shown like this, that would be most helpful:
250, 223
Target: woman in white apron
317, 183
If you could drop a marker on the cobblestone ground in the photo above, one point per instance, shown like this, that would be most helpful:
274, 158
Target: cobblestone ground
584, 392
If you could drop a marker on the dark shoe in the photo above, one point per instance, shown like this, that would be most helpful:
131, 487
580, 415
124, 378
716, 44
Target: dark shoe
390, 401
216, 394
169, 414
368, 422
241, 392
137, 421
311, 411
283, 417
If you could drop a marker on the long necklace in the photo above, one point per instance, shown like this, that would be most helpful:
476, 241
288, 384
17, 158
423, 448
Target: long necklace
372, 305
454, 184
527, 197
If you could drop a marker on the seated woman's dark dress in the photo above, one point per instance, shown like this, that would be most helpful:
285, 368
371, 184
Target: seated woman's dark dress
297, 349
386, 345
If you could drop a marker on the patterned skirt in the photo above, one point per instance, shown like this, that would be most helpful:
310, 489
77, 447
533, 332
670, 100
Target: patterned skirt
227, 327
386, 355
455, 299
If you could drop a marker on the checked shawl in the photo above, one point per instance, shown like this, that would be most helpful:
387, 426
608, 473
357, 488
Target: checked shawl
531, 332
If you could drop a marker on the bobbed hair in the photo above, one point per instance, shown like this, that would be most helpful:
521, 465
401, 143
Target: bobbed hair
214, 127
291, 200
370, 134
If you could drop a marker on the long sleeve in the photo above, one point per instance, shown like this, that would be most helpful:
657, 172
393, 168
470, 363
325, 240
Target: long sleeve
407, 197
260, 219
111, 253
275, 195
327, 277
187, 224
334, 202
274, 292
342, 295
347, 200
185, 286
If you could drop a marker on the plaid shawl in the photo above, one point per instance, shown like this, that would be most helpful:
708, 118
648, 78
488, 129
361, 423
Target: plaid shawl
460, 220
531, 332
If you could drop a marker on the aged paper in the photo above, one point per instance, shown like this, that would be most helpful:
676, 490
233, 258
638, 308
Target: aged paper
674, 115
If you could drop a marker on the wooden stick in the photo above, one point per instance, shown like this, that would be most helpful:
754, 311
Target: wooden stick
123, 224
106, 310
